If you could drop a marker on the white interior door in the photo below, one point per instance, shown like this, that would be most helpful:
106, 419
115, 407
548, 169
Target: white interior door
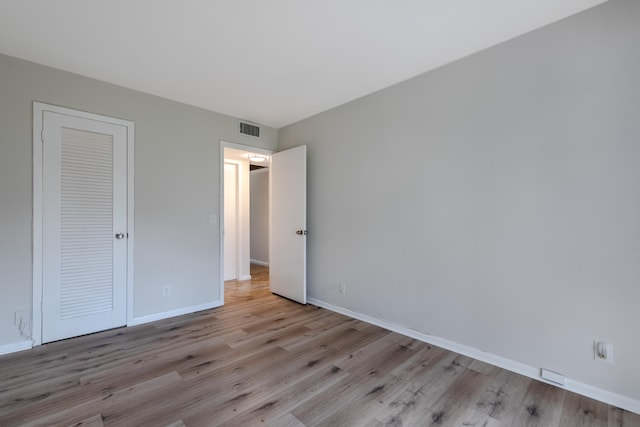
230, 221
288, 236
84, 226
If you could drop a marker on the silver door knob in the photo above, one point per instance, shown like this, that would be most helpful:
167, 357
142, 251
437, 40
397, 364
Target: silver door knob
119, 236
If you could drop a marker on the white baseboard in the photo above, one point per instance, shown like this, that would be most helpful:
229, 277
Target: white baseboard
614, 399
605, 396
173, 313
245, 277
255, 261
16, 346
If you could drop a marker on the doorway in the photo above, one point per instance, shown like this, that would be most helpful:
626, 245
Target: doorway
245, 221
287, 218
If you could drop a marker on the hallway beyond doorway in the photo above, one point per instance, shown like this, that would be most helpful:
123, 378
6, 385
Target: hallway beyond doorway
257, 286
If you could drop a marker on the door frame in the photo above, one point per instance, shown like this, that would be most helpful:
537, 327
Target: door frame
36, 278
226, 144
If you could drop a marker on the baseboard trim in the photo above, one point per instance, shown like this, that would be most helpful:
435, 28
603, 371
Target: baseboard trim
255, 261
15, 347
173, 313
245, 277
605, 396
614, 399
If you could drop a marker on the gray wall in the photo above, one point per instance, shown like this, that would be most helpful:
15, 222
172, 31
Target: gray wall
177, 155
494, 202
260, 215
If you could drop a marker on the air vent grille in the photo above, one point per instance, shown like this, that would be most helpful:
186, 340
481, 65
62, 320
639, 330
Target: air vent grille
250, 129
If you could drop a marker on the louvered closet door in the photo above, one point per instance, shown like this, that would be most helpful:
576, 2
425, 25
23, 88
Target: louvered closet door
84, 226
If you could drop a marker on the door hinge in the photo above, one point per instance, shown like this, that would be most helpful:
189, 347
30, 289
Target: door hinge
42, 135
41, 307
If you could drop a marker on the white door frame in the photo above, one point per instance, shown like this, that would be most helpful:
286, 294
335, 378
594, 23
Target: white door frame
223, 145
38, 113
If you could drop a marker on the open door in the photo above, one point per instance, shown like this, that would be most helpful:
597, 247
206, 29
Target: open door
288, 236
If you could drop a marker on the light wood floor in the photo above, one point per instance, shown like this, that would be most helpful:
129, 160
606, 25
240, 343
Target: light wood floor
263, 360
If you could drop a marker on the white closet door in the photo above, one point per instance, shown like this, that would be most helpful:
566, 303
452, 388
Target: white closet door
84, 226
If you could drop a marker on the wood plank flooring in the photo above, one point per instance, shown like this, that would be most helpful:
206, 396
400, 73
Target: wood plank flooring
262, 360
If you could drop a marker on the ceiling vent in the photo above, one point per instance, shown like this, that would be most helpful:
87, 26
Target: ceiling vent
250, 129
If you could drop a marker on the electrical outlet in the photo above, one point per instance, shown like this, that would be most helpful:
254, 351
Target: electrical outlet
342, 288
166, 291
603, 352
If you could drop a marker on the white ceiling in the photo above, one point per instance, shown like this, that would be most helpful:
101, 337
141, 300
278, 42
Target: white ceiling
269, 61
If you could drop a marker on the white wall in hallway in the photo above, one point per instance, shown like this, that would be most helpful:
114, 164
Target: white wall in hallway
260, 216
